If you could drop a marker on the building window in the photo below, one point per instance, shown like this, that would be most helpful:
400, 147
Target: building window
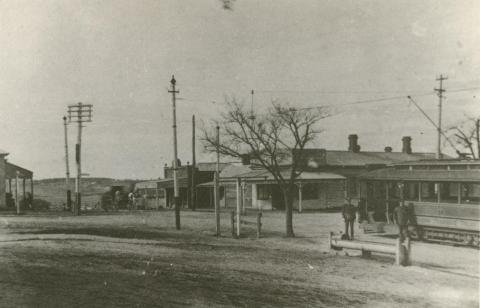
353, 187
263, 192
309, 192
161, 193
470, 193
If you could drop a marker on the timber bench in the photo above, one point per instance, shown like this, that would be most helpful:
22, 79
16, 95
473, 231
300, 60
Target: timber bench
401, 251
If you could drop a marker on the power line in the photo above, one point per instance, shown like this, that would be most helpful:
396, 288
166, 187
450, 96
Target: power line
385, 99
360, 92
464, 89
433, 123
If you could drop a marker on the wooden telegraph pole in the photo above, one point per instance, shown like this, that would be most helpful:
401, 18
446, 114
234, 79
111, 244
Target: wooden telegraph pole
217, 186
440, 92
67, 178
175, 157
79, 113
194, 165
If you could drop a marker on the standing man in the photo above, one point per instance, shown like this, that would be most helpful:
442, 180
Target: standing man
349, 216
130, 200
402, 218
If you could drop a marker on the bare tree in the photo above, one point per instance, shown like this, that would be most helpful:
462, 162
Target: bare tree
467, 135
274, 140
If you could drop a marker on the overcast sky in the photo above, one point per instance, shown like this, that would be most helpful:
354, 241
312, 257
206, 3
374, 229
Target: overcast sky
120, 55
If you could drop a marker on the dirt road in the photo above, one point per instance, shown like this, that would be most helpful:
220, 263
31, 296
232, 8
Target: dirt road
139, 260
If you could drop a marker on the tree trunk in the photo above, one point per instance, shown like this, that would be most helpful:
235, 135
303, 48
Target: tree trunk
288, 199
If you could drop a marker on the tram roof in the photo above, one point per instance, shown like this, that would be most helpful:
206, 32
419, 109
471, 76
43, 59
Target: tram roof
440, 162
392, 174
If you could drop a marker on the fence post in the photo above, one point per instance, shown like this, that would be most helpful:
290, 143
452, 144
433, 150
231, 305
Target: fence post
398, 245
408, 255
259, 225
234, 235
239, 206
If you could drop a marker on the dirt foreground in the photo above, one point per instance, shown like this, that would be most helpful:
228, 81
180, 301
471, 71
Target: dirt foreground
140, 260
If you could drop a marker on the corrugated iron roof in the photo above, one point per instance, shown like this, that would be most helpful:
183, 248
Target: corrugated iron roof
316, 158
347, 158
212, 166
234, 170
392, 174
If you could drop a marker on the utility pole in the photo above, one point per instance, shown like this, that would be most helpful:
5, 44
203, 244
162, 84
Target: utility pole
217, 186
440, 92
252, 117
477, 130
193, 192
67, 179
79, 113
175, 156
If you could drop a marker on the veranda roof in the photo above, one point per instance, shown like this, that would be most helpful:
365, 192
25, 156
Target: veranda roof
11, 171
265, 177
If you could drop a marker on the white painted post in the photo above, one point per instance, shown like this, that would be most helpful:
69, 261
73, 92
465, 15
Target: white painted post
397, 251
330, 235
459, 193
387, 195
408, 246
244, 193
239, 201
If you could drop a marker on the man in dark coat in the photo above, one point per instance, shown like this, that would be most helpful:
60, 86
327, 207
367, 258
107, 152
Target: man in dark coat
348, 213
402, 218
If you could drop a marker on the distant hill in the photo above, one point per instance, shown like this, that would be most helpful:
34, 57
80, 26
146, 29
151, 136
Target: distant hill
54, 191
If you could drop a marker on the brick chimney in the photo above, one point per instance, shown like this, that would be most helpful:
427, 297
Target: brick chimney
407, 144
353, 143
388, 149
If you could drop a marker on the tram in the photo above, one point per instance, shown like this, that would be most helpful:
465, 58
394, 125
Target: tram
443, 196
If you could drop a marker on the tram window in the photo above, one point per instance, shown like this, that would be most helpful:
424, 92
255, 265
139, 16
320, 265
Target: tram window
411, 191
470, 193
393, 190
429, 192
449, 192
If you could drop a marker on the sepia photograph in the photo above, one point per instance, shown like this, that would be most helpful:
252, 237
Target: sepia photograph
240, 153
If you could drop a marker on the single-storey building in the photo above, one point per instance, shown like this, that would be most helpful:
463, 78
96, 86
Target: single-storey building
329, 177
13, 183
160, 193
